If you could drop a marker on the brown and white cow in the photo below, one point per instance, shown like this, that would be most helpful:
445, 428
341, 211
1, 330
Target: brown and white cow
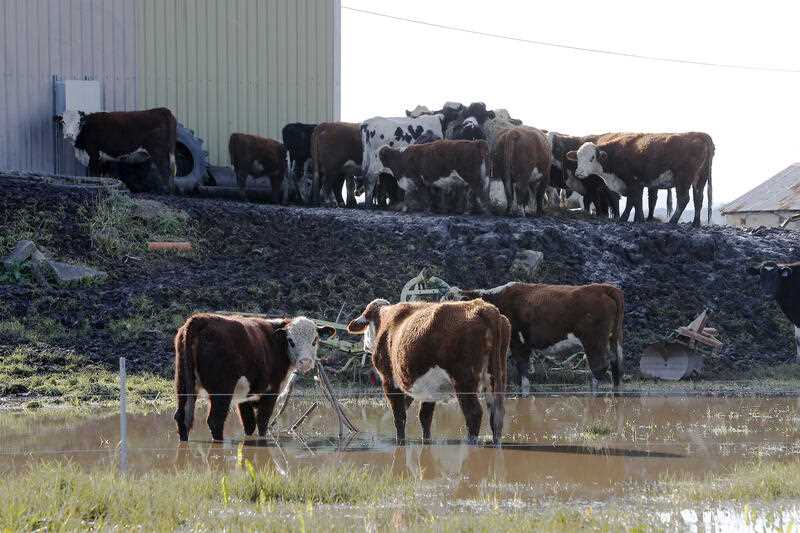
258, 157
336, 156
123, 137
629, 162
429, 351
440, 165
220, 354
542, 316
522, 158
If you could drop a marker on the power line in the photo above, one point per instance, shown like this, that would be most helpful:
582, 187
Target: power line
574, 48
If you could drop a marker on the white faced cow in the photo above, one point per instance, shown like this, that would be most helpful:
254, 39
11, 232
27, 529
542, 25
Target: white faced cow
396, 133
629, 162
125, 137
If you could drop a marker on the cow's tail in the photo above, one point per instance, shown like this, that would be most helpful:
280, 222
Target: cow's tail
315, 163
615, 338
708, 174
508, 179
498, 362
185, 382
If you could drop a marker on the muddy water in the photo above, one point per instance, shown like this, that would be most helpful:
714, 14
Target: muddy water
563, 446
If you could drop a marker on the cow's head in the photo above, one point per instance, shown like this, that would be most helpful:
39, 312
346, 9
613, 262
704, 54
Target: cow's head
368, 322
590, 160
302, 340
771, 275
388, 156
71, 123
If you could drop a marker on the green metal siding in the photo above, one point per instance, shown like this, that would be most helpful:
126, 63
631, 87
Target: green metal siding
252, 66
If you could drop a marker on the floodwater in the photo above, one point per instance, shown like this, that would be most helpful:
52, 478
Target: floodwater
561, 446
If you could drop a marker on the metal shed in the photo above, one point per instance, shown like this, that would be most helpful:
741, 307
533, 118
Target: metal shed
221, 65
770, 204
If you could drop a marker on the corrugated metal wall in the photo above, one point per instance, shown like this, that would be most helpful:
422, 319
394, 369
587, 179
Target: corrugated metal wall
74, 39
250, 66
220, 65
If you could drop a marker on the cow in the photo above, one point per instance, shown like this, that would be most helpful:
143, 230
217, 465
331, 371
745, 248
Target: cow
222, 355
629, 162
393, 132
443, 165
542, 316
522, 158
498, 121
297, 140
428, 351
336, 154
123, 137
258, 157
387, 191
782, 282
468, 130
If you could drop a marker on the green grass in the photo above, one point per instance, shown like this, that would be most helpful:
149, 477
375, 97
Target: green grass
116, 228
760, 481
54, 375
27, 224
147, 317
62, 497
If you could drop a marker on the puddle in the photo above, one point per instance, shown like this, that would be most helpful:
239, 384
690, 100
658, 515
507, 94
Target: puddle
554, 446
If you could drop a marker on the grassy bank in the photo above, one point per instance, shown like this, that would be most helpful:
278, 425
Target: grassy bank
62, 497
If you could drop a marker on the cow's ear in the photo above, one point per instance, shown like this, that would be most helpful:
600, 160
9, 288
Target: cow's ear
358, 326
602, 157
786, 271
57, 119
572, 155
330, 331
490, 114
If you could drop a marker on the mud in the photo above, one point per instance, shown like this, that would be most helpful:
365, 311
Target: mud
554, 446
278, 260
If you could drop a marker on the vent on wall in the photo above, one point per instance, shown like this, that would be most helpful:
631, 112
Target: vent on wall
78, 95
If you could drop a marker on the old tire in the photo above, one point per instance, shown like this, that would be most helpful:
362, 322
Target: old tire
191, 163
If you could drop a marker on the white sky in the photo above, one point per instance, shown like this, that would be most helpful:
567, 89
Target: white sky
754, 117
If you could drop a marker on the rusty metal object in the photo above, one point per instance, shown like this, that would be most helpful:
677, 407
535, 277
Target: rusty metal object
681, 354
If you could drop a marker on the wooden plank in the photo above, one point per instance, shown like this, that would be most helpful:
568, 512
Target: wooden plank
699, 337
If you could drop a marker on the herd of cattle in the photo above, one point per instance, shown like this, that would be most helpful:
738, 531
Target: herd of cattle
422, 351
455, 159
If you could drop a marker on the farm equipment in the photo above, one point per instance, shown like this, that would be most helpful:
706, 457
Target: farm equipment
682, 352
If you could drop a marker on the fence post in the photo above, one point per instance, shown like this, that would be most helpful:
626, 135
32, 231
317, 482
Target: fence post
123, 416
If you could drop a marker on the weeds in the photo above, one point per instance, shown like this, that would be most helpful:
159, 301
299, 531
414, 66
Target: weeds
119, 225
761, 481
65, 498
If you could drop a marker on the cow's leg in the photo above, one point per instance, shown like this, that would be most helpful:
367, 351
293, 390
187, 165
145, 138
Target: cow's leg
397, 400
316, 186
264, 412
638, 208
369, 191
597, 357
797, 342
697, 193
682, 194
350, 183
613, 203
473, 413
626, 213
520, 357
426, 418
539, 191
337, 190
247, 415
652, 198
218, 412
184, 415
241, 181
510, 198
164, 162
495, 406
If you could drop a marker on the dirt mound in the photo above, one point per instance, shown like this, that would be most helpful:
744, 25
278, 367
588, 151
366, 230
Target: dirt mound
292, 260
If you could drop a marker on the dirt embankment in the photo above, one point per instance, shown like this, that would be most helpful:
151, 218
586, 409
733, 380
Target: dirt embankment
313, 261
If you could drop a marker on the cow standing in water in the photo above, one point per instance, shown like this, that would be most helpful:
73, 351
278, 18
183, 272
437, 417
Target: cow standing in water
220, 354
430, 351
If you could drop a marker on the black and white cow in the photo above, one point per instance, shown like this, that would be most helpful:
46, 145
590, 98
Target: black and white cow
397, 132
123, 137
782, 282
297, 140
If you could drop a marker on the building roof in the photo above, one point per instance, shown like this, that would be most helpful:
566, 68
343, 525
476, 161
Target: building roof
779, 193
